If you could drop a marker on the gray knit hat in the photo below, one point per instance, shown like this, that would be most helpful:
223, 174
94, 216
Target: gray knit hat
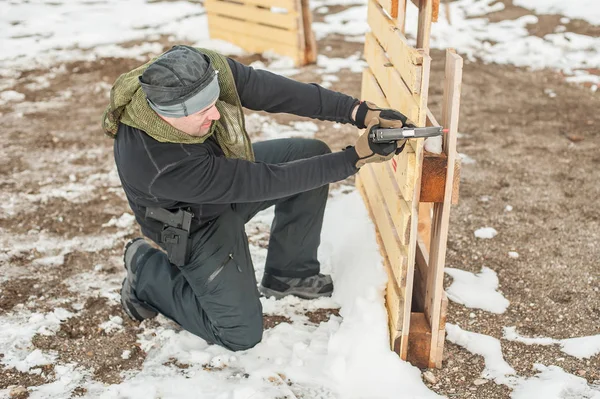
180, 82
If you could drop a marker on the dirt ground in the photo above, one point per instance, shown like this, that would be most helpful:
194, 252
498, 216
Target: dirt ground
532, 151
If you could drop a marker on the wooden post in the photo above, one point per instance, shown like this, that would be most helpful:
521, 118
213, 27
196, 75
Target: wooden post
441, 211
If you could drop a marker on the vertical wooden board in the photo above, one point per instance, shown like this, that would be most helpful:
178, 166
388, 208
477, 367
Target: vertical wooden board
420, 343
435, 8
310, 43
263, 16
396, 92
401, 18
441, 211
371, 90
301, 35
424, 27
406, 59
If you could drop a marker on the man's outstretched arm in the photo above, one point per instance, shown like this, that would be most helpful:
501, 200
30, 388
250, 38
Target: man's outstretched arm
261, 90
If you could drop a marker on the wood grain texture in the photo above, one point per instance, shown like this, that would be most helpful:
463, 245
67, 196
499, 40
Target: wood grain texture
402, 56
441, 211
258, 15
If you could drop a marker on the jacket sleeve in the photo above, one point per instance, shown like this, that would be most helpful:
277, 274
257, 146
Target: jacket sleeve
208, 179
261, 90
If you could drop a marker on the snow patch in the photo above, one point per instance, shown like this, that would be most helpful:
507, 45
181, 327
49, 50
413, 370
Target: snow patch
486, 232
476, 291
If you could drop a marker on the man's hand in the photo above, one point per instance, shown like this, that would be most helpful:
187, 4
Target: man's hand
367, 112
368, 151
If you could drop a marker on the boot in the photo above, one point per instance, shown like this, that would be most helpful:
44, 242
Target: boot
135, 250
304, 287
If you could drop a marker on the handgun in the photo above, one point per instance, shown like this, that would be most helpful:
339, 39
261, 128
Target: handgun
388, 135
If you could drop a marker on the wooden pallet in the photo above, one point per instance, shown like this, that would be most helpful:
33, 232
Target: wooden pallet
409, 198
282, 26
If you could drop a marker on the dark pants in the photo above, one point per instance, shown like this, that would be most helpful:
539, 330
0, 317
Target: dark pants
215, 295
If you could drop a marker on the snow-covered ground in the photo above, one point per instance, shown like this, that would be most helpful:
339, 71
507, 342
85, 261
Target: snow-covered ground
346, 357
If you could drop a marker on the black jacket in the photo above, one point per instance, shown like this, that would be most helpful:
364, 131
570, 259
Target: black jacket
199, 176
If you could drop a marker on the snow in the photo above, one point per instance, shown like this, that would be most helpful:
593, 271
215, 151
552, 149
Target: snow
434, 145
476, 291
486, 232
496, 368
579, 347
587, 10
551, 381
554, 383
346, 357
509, 42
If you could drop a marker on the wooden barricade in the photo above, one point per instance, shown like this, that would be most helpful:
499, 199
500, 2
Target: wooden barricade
283, 26
409, 198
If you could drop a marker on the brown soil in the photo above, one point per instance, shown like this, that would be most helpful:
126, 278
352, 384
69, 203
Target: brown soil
535, 153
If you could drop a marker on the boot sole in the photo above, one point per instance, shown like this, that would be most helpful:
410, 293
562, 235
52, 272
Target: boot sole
267, 292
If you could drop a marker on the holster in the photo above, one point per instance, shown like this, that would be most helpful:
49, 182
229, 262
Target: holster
175, 235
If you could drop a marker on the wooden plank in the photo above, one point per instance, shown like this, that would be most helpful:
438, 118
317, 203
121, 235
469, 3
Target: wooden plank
456, 180
435, 8
424, 27
394, 292
371, 91
401, 18
429, 195
441, 211
278, 4
406, 59
421, 270
255, 44
441, 335
389, 79
433, 177
397, 207
253, 14
424, 229
396, 252
310, 43
404, 167
281, 36
419, 338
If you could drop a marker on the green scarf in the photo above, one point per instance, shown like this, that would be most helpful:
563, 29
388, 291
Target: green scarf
128, 105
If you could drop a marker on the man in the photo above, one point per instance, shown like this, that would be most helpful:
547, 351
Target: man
193, 180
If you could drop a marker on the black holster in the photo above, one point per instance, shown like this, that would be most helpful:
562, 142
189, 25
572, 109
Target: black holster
175, 235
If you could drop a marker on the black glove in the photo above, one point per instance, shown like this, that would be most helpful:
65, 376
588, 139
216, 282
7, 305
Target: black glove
367, 111
368, 151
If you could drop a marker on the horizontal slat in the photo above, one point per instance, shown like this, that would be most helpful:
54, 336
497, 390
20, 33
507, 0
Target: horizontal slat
280, 4
396, 92
406, 59
403, 168
396, 252
398, 208
394, 293
371, 90
256, 44
285, 37
251, 13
